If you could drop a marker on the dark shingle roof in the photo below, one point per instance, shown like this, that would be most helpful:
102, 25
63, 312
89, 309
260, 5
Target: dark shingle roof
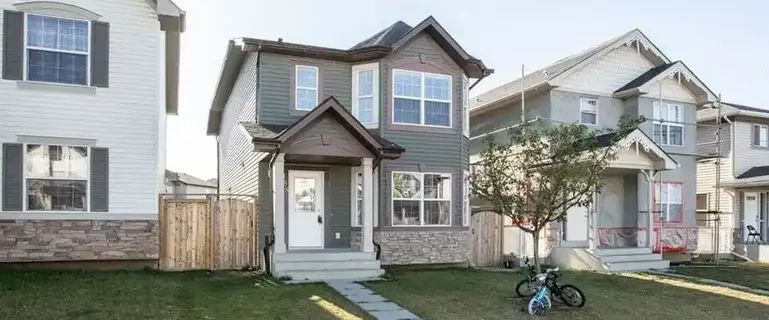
746, 108
386, 37
262, 131
645, 77
755, 172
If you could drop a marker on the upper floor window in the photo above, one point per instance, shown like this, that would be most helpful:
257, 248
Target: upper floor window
668, 124
588, 110
761, 135
421, 198
56, 177
668, 201
365, 94
306, 95
57, 49
421, 98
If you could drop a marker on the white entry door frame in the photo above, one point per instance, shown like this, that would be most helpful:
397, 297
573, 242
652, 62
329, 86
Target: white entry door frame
577, 227
306, 218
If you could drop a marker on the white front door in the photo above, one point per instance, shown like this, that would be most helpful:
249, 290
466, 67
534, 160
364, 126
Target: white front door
577, 225
305, 209
750, 213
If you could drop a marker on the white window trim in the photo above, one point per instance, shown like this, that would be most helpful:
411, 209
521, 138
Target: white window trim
87, 180
354, 195
707, 201
87, 53
374, 67
297, 87
421, 200
667, 107
422, 99
466, 199
465, 106
660, 187
753, 134
582, 110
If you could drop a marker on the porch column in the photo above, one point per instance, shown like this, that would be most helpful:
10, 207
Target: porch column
368, 206
651, 207
278, 203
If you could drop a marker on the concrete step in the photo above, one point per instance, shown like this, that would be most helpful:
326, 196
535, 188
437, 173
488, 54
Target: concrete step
621, 251
323, 256
326, 265
631, 257
638, 265
323, 275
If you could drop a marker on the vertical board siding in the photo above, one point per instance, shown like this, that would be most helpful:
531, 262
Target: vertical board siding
487, 237
124, 117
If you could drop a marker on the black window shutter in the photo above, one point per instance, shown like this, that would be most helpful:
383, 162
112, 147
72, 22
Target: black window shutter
13, 45
99, 179
13, 175
100, 54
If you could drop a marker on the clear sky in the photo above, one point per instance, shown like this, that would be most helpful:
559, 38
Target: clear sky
726, 43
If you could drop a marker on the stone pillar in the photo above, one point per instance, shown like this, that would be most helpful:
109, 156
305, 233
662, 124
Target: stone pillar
368, 206
279, 203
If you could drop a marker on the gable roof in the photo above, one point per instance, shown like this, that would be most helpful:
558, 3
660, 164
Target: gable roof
649, 146
686, 77
730, 110
386, 37
755, 172
187, 179
645, 77
545, 76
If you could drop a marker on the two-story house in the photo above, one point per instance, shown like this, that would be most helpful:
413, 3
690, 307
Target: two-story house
656, 164
356, 154
86, 86
744, 180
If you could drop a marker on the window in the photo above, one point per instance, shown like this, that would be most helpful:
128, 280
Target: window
57, 49
587, 111
761, 135
56, 177
465, 106
421, 198
466, 199
421, 99
702, 202
365, 94
668, 126
668, 201
306, 97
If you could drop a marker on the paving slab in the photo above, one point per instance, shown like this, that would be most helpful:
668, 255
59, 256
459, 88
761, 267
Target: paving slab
368, 300
379, 306
394, 315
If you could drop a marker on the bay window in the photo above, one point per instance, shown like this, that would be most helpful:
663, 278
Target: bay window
668, 201
761, 135
56, 177
421, 199
306, 95
421, 98
365, 94
57, 49
668, 124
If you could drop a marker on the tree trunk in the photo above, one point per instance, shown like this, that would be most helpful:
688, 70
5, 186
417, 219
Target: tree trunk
535, 235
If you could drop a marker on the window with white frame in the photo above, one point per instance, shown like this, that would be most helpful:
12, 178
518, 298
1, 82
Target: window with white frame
357, 198
761, 135
365, 94
465, 106
702, 202
421, 98
306, 95
668, 124
57, 49
421, 199
466, 199
56, 177
588, 110
668, 200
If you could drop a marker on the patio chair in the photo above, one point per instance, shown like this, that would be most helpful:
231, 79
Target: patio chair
754, 236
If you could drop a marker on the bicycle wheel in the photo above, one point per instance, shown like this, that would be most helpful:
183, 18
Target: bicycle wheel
572, 296
539, 306
525, 288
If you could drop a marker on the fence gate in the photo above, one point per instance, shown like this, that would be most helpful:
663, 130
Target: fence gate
208, 233
487, 233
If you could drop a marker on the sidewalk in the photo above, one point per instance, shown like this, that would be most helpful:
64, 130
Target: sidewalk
374, 304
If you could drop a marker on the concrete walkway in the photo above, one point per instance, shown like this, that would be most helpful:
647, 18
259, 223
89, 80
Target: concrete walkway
374, 304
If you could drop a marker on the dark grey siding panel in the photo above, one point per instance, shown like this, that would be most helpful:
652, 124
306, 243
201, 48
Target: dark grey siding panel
99, 179
277, 72
13, 45
265, 204
13, 157
338, 207
100, 54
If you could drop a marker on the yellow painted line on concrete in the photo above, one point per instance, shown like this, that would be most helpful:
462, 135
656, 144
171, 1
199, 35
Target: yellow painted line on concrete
334, 309
707, 288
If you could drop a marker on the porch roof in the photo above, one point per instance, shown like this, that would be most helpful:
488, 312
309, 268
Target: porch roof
646, 144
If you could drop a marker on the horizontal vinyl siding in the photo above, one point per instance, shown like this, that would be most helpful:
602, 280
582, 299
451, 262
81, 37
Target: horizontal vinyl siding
746, 155
706, 182
706, 138
238, 163
124, 117
609, 72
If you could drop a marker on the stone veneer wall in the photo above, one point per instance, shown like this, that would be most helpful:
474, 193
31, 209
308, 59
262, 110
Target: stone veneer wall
420, 247
72, 240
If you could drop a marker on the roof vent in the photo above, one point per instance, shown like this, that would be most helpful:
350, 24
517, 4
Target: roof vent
280, 40
546, 72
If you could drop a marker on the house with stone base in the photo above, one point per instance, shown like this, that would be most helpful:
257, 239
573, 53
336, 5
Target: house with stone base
358, 156
85, 90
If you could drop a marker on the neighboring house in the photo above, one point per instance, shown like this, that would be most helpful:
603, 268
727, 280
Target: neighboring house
86, 86
744, 193
350, 150
627, 75
182, 185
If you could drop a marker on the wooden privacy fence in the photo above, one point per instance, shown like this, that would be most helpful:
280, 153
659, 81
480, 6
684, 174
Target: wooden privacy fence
487, 233
214, 233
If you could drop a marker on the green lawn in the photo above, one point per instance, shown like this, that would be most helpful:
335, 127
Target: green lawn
152, 295
465, 294
754, 275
